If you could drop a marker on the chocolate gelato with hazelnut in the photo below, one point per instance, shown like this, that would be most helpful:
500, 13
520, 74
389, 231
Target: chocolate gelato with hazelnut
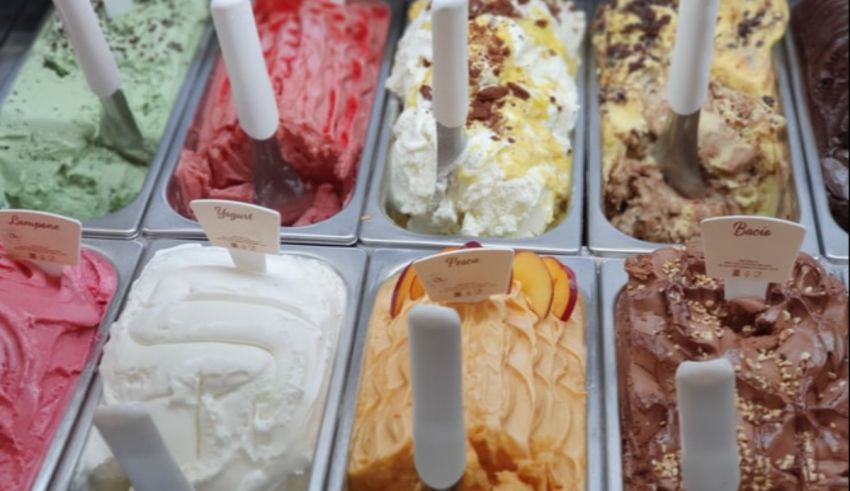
789, 351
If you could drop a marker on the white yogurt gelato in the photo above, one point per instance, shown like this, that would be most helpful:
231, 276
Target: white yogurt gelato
233, 366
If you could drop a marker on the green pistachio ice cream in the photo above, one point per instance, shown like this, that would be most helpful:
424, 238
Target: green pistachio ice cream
50, 158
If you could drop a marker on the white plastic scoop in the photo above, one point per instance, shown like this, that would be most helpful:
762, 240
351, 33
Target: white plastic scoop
276, 184
439, 436
450, 91
707, 421
118, 129
677, 150
136, 443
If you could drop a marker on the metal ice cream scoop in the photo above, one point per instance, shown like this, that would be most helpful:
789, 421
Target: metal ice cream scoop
276, 184
450, 91
677, 150
118, 129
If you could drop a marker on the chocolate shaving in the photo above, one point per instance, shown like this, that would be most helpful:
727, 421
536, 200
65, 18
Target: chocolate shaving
518, 91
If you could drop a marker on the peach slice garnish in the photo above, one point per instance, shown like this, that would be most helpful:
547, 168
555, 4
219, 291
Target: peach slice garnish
401, 292
533, 276
565, 287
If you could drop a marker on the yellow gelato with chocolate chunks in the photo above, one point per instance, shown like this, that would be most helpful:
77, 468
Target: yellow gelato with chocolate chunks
524, 396
743, 137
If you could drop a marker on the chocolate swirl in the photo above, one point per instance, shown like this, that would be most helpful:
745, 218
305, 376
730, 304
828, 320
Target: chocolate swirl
789, 351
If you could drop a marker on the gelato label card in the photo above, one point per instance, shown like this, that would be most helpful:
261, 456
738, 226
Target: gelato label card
248, 231
466, 275
749, 252
44, 238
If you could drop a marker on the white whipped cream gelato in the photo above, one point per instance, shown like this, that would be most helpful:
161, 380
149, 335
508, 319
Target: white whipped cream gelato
232, 366
513, 180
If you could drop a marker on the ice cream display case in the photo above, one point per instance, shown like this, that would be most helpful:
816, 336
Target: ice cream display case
269, 346
520, 179
817, 61
558, 433
330, 118
660, 309
52, 154
71, 323
751, 143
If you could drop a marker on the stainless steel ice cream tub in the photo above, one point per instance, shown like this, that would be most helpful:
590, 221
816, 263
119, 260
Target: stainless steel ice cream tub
380, 230
162, 220
613, 279
386, 263
606, 240
124, 256
350, 264
833, 238
126, 222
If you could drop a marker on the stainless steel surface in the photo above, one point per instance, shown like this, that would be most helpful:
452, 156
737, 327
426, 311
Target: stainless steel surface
606, 240
383, 265
126, 222
162, 220
119, 131
124, 256
677, 156
350, 264
612, 279
379, 229
276, 184
833, 238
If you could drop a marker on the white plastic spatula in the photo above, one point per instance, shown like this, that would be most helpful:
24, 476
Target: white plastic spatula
439, 437
450, 90
117, 8
136, 443
707, 421
677, 150
118, 129
276, 184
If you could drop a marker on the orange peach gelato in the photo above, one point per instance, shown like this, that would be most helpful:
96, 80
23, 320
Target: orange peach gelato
524, 398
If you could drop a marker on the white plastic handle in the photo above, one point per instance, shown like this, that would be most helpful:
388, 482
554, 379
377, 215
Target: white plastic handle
451, 61
439, 437
690, 67
707, 421
136, 443
90, 46
252, 90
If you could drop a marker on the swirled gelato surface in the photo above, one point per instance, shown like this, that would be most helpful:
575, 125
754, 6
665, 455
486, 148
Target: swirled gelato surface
515, 176
790, 356
51, 158
524, 399
47, 330
823, 42
742, 135
324, 58
232, 366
